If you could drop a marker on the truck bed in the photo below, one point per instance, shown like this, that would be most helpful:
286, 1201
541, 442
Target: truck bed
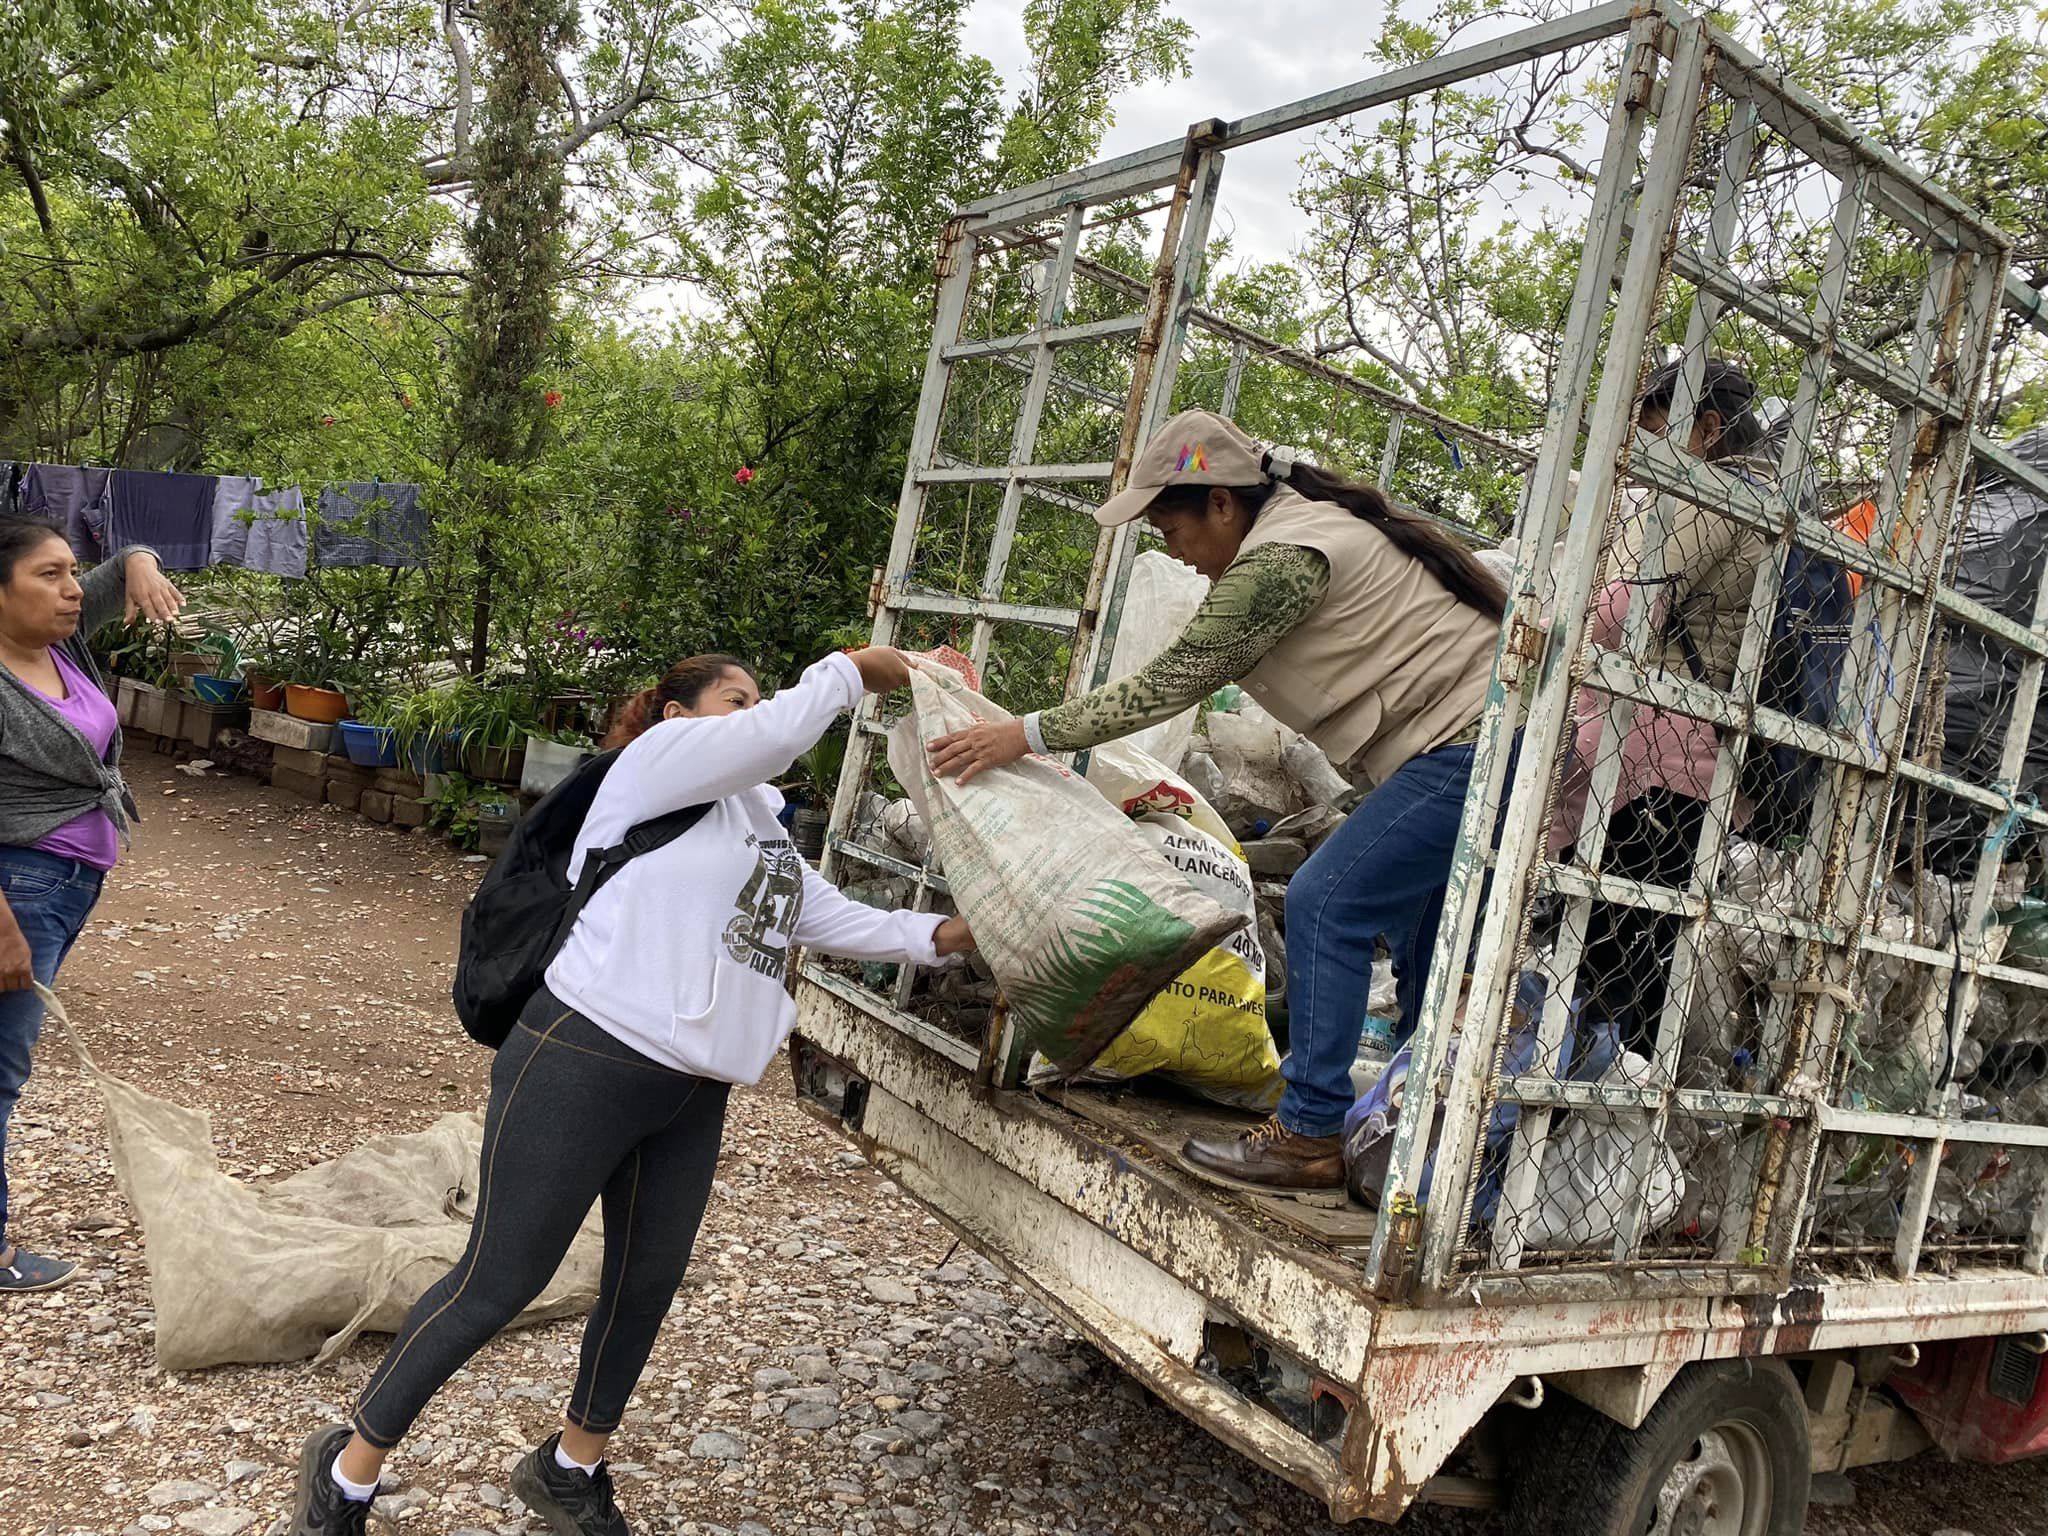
1250, 1314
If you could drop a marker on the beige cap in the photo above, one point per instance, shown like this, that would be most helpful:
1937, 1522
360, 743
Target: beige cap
1194, 448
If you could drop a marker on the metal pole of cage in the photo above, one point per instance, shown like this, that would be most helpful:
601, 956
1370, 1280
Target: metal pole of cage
1980, 283
1765, 595
1388, 1263
1024, 439
1816, 1009
956, 259
1469, 1097
1182, 250
1524, 1168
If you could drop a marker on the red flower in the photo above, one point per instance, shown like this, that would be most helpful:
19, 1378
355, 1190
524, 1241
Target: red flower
551, 399
744, 475
327, 421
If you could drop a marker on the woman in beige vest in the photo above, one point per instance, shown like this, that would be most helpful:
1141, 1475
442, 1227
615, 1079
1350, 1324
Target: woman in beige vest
1372, 633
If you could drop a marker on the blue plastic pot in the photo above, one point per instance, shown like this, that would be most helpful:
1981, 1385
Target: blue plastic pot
369, 746
217, 690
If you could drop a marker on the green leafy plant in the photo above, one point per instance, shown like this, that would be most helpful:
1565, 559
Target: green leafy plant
822, 766
453, 809
219, 647
137, 649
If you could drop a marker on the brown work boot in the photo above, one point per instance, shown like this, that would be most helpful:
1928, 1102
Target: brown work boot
1270, 1156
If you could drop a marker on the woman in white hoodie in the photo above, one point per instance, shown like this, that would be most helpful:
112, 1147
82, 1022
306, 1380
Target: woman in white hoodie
669, 989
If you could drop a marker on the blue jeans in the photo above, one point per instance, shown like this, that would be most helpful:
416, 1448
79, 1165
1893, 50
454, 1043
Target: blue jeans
51, 898
1381, 875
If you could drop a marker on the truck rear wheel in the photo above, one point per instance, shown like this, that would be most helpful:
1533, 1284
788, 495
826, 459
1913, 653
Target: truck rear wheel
1723, 1453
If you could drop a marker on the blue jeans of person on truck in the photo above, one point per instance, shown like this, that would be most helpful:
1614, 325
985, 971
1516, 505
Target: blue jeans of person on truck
51, 898
1381, 875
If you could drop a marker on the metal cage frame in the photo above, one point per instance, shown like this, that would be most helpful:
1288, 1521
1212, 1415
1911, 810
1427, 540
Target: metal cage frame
1671, 60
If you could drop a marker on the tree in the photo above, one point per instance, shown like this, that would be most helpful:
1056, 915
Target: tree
515, 240
1083, 54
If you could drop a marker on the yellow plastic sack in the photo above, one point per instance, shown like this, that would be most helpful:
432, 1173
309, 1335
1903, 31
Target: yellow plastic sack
1205, 1030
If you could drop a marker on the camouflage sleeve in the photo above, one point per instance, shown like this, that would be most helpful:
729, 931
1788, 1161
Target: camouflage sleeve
1260, 598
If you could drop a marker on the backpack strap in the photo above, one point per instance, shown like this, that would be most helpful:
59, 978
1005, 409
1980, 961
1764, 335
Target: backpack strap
600, 864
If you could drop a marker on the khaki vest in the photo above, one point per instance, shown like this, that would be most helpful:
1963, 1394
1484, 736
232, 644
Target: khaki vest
1389, 665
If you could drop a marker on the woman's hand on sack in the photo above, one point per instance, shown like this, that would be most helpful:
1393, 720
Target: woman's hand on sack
953, 937
992, 744
883, 668
17, 963
150, 592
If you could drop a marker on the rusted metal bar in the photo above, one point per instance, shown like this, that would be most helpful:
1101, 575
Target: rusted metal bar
1195, 183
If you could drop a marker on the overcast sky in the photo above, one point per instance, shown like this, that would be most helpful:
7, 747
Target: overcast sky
1246, 57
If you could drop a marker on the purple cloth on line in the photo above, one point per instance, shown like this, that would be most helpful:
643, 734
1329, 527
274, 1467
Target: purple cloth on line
277, 538
90, 838
233, 499
74, 499
172, 514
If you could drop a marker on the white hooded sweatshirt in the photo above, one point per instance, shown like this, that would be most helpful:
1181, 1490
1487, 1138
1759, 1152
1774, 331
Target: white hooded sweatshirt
684, 953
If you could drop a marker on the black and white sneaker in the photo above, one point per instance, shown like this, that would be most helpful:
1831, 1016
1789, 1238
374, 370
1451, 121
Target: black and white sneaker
572, 1502
322, 1509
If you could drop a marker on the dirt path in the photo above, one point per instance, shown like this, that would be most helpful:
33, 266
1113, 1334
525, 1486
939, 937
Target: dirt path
832, 1365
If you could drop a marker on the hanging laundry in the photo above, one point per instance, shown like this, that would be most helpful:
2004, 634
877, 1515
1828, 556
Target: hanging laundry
233, 497
374, 522
8, 475
72, 498
172, 514
276, 539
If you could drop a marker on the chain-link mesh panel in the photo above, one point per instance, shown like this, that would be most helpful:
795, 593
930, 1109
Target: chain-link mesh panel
1698, 994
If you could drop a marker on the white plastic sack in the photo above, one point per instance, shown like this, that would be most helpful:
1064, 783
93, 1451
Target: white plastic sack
1080, 918
252, 1273
1249, 748
1585, 1167
1162, 597
1139, 784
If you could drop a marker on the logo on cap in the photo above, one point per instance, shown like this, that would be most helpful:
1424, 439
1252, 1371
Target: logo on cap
1192, 456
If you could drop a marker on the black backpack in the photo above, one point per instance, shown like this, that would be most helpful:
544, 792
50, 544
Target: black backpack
523, 912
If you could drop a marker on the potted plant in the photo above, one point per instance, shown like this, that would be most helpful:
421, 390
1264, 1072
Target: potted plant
492, 724
551, 756
221, 683
266, 690
821, 770
134, 658
315, 702
424, 722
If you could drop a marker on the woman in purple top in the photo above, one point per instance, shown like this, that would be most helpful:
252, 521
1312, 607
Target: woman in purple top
63, 807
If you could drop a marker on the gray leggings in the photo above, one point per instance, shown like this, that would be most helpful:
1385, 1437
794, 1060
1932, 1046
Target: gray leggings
575, 1116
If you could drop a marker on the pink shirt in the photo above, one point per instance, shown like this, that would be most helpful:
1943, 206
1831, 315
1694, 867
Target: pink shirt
90, 838
1661, 750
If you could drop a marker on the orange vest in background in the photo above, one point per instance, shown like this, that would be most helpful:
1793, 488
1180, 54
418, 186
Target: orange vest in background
1858, 523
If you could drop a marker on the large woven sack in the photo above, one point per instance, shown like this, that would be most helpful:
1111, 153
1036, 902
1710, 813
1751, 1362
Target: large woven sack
1206, 1030
253, 1273
1081, 919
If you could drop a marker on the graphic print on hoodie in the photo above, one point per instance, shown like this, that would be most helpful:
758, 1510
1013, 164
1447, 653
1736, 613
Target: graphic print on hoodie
769, 905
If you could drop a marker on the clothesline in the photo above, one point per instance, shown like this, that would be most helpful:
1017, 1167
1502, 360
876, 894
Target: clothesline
197, 521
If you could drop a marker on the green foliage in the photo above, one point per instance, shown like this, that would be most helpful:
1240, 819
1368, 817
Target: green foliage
314, 240
1083, 53
453, 809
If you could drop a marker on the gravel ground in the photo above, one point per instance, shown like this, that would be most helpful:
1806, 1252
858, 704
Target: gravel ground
833, 1364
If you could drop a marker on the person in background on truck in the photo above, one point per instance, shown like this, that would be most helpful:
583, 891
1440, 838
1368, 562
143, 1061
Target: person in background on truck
1371, 632
1667, 761
64, 810
669, 989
